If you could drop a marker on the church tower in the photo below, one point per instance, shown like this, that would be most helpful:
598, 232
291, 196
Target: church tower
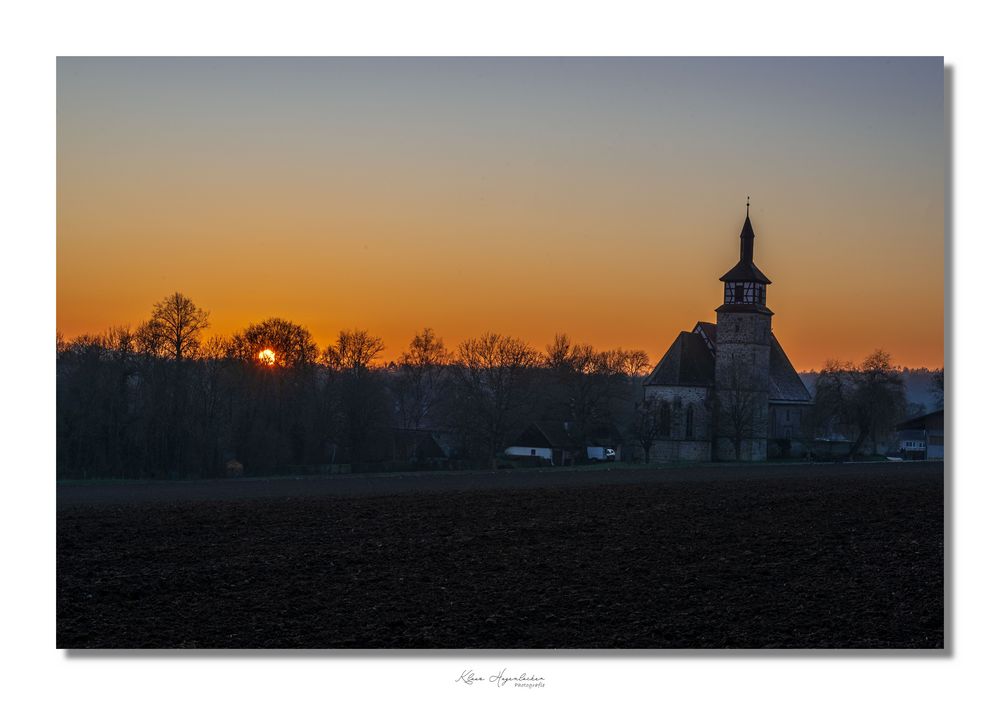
742, 358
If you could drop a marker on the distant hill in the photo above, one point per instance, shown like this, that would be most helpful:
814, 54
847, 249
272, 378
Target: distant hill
919, 385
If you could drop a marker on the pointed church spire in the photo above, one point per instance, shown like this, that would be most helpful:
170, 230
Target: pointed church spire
746, 238
746, 270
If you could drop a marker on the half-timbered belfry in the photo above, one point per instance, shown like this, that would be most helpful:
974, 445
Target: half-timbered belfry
726, 390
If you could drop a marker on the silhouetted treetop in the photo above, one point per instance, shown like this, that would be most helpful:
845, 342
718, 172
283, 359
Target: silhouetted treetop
354, 350
566, 356
174, 329
425, 349
417, 385
291, 344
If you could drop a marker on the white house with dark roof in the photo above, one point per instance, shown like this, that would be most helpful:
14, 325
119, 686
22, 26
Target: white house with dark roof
727, 390
549, 441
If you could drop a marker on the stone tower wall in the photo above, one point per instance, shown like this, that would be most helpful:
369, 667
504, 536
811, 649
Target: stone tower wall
742, 367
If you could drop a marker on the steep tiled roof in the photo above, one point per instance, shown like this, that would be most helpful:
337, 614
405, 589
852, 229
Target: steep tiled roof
786, 385
744, 272
932, 420
690, 361
544, 434
687, 363
708, 329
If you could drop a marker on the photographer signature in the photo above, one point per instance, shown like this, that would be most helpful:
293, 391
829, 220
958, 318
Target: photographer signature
500, 679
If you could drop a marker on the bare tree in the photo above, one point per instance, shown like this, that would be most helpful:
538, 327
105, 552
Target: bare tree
290, 345
636, 363
215, 348
587, 384
562, 354
737, 408
149, 339
493, 374
361, 402
354, 350
645, 425
121, 342
559, 353
174, 329
869, 398
419, 378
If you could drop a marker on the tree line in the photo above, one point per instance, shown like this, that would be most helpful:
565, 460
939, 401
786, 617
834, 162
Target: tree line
163, 400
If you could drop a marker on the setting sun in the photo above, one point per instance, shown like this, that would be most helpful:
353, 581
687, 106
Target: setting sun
266, 357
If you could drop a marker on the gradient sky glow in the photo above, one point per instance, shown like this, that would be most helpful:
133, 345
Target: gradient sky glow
598, 197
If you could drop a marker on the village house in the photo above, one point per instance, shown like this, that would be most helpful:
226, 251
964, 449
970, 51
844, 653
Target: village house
553, 444
548, 441
922, 437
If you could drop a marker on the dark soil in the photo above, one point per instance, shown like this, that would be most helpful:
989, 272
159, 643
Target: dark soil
826, 558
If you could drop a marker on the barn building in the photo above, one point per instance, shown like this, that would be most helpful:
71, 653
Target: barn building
726, 390
925, 436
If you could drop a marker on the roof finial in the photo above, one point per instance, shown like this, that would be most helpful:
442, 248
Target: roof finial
748, 206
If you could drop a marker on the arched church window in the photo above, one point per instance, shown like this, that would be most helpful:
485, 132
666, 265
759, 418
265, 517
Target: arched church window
689, 422
665, 419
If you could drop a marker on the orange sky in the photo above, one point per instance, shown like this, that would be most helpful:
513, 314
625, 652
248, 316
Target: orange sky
601, 198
